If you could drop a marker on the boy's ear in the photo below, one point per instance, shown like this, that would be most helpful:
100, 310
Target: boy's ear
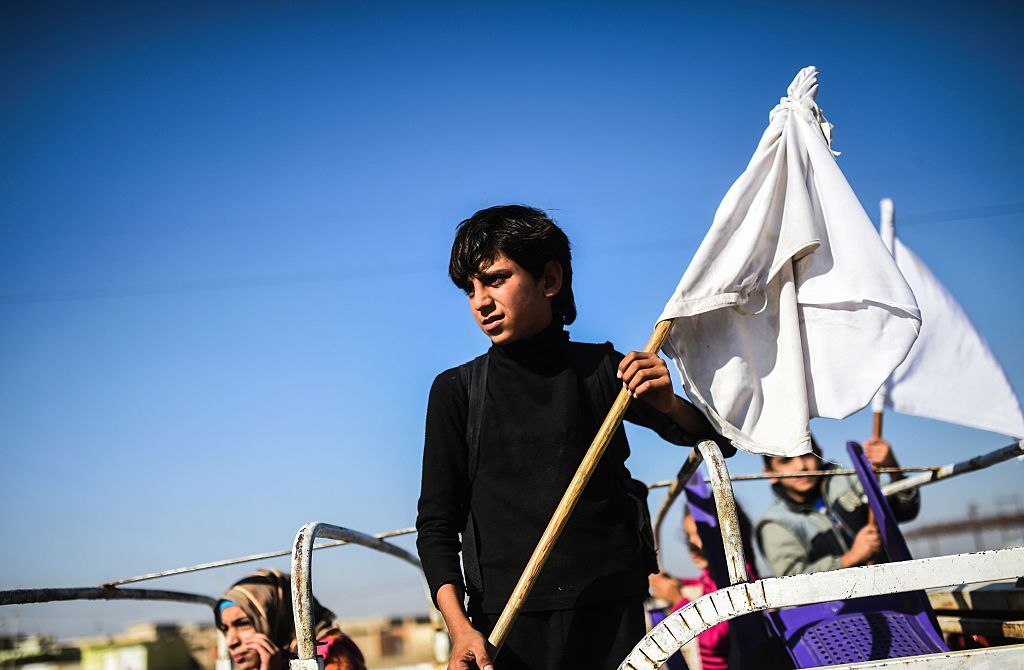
552, 279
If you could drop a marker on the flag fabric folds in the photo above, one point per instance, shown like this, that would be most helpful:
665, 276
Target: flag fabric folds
950, 373
792, 306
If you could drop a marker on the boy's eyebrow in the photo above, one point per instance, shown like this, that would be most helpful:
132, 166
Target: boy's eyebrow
486, 275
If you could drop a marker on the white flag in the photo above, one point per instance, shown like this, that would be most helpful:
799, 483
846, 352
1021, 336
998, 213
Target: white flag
950, 373
792, 307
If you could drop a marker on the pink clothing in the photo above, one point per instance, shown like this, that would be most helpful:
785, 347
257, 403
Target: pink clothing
714, 642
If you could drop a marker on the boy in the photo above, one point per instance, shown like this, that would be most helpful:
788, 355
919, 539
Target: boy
820, 523
544, 400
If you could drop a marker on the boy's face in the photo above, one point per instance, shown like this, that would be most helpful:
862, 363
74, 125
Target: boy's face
802, 489
508, 303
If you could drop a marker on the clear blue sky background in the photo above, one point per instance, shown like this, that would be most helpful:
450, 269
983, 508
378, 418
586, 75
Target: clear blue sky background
224, 232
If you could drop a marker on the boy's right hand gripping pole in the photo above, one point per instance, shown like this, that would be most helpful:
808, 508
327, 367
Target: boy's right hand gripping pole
568, 502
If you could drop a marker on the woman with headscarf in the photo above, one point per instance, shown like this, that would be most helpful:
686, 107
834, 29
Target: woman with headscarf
256, 618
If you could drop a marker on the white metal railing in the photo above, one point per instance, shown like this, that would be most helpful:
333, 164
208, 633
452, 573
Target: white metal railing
734, 601
725, 505
743, 597
302, 583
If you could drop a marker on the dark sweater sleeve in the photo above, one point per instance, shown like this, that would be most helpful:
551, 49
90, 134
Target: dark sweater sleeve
444, 489
905, 505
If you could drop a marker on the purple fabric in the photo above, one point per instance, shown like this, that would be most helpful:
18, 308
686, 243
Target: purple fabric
701, 502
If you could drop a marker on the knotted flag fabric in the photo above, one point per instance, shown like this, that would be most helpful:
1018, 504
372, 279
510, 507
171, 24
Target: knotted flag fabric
792, 306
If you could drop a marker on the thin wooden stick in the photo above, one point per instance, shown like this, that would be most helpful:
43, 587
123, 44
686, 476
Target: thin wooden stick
568, 502
876, 426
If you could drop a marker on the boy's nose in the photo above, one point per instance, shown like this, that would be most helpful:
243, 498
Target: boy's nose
481, 301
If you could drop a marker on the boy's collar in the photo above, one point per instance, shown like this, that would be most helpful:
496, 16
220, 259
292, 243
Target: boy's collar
550, 340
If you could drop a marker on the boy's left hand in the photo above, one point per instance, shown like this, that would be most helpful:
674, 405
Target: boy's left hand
646, 376
879, 453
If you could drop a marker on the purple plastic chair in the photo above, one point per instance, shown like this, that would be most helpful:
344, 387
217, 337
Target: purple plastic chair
892, 539
865, 629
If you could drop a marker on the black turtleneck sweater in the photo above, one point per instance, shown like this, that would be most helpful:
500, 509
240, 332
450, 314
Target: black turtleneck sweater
538, 422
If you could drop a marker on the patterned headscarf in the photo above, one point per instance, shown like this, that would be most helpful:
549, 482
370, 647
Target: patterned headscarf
266, 598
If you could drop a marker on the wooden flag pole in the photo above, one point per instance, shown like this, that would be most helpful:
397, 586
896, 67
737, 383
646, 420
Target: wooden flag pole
887, 231
568, 502
876, 426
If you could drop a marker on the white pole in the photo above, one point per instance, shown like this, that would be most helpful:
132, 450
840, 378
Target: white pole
887, 229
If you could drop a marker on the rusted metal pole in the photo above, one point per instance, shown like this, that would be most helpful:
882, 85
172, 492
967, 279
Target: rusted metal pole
568, 502
302, 582
725, 506
26, 596
245, 559
789, 475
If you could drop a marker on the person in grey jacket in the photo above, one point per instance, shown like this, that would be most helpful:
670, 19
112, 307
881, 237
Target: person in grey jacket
821, 523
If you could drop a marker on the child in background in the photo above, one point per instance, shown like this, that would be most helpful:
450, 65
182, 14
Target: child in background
256, 618
714, 643
821, 523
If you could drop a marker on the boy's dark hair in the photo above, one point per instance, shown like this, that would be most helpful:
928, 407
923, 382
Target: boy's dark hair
814, 448
526, 235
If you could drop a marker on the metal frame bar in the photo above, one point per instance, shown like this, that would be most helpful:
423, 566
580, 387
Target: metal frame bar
665, 483
27, 596
931, 473
302, 581
725, 505
675, 487
979, 462
733, 601
992, 658
245, 559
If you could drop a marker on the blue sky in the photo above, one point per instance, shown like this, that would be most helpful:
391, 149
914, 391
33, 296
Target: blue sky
225, 230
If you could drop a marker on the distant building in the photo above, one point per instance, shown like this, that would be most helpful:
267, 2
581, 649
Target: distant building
36, 652
388, 643
393, 642
149, 647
